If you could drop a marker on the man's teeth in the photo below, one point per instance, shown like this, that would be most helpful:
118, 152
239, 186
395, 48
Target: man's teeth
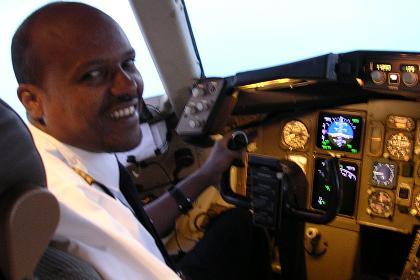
123, 113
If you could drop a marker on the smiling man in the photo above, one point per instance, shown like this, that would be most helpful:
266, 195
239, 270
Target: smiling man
81, 90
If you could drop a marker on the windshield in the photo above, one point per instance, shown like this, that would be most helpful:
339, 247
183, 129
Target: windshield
241, 35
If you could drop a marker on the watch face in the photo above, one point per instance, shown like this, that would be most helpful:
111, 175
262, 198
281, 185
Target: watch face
295, 135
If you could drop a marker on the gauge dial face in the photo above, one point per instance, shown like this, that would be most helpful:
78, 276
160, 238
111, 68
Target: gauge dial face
380, 202
295, 135
383, 174
399, 146
403, 123
416, 202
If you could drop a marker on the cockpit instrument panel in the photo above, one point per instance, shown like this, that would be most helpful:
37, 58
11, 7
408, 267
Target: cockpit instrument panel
392, 72
339, 132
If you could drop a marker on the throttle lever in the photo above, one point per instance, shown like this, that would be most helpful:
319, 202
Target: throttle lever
238, 142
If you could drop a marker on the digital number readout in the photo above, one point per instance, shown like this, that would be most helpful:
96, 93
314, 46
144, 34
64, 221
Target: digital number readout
409, 68
383, 67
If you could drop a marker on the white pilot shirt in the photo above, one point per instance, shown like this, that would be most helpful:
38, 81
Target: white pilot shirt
94, 226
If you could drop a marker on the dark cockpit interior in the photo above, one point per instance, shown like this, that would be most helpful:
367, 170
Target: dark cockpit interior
360, 108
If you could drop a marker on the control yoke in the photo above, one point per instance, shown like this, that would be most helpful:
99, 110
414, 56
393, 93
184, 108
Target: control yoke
270, 189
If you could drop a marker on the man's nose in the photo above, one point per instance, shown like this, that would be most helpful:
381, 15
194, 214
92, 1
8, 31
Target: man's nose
123, 83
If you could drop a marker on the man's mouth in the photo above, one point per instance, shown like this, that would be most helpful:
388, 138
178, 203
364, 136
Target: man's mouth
123, 112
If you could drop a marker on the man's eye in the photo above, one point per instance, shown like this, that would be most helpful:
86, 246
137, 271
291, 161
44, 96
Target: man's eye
93, 75
129, 64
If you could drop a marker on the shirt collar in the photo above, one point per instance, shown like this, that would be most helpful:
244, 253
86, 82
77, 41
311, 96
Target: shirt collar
103, 167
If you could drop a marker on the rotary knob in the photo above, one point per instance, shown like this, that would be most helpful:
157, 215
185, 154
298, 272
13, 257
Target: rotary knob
194, 123
202, 106
190, 109
198, 91
410, 79
378, 77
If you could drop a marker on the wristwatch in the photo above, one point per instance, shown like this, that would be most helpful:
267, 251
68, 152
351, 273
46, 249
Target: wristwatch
184, 203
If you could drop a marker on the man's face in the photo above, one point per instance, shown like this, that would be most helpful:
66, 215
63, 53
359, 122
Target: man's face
92, 89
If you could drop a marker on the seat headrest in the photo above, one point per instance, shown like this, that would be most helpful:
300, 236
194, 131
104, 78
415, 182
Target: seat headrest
20, 163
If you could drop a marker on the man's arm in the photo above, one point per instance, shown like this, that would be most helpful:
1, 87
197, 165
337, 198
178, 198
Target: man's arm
164, 209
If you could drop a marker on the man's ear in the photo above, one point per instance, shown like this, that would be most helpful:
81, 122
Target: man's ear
32, 97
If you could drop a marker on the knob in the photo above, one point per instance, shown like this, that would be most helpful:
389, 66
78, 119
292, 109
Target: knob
198, 91
194, 123
190, 109
202, 106
238, 141
378, 77
315, 244
410, 79
312, 233
413, 212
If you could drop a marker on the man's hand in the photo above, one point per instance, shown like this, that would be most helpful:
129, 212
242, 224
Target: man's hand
219, 160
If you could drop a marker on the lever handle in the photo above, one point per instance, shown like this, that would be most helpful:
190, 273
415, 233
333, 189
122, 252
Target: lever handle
238, 141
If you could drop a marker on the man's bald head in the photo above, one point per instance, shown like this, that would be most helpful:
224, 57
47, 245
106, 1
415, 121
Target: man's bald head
47, 25
77, 77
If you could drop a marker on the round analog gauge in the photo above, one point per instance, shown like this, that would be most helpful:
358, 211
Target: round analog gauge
295, 135
416, 202
399, 146
380, 203
402, 123
383, 174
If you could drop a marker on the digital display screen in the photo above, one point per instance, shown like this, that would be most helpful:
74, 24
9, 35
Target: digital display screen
385, 67
409, 68
339, 132
350, 175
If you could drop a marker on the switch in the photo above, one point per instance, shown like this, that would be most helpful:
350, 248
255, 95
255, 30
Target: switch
404, 193
376, 138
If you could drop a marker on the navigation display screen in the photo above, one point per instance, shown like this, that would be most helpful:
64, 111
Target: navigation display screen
339, 132
349, 172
